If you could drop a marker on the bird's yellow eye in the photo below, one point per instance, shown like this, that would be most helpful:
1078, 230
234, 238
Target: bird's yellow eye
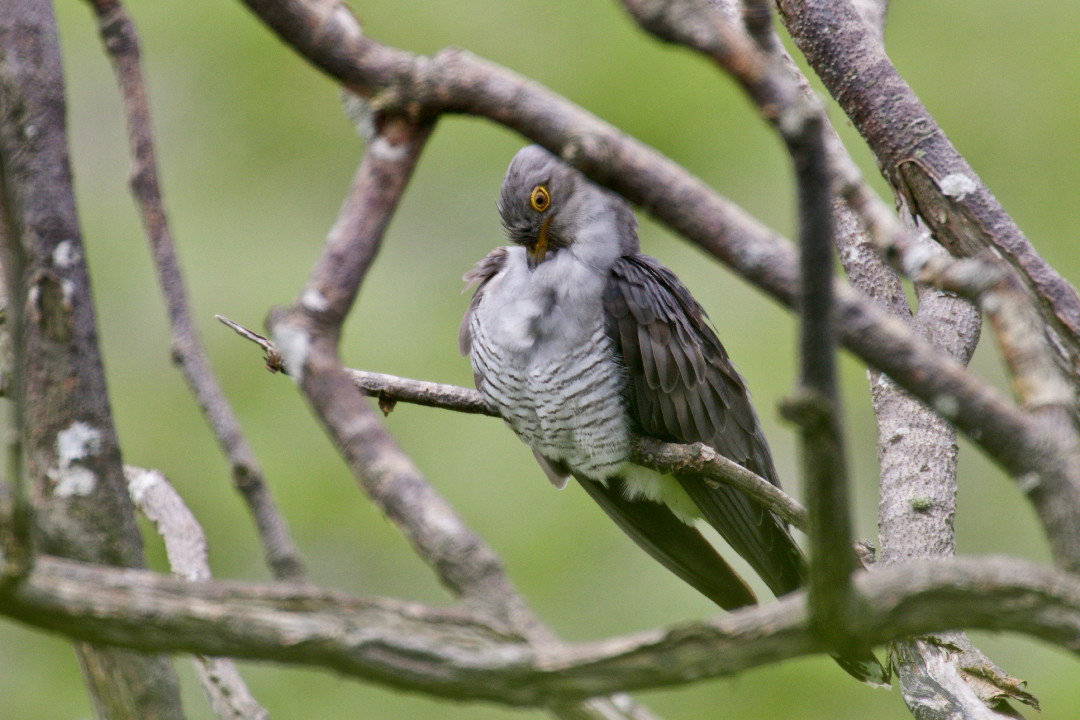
540, 199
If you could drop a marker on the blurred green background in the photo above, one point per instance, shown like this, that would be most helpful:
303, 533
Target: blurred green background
256, 157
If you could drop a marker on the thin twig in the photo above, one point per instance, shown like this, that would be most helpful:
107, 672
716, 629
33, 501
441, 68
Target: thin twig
701, 460
121, 42
390, 389
185, 547
663, 457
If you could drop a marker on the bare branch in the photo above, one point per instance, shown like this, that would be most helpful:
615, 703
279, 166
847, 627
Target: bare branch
698, 459
185, 545
452, 654
390, 389
122, 43
818, 414
664, 457
1037, 379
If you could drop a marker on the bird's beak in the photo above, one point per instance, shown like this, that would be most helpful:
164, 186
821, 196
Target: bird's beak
538, 250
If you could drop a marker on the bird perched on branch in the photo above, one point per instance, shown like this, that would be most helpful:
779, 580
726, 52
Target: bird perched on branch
581, 343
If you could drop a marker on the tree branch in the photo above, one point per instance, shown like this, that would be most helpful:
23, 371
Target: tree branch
817, 398
696, 459
185, 546
389, 389
122, 44
453, 654
1037, 380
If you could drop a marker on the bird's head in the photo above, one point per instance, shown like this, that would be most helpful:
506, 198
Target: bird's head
548, 206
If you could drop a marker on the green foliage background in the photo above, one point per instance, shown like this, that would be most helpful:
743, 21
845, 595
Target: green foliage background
256, 157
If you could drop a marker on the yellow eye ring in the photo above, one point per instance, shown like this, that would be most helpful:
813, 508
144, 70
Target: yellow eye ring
540, 198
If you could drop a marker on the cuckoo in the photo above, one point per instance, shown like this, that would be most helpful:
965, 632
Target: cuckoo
580, 342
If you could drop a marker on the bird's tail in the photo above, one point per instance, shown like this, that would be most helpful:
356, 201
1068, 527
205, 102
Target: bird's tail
764, 541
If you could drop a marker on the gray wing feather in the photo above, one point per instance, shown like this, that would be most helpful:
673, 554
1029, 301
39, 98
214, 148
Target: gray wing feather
683, 388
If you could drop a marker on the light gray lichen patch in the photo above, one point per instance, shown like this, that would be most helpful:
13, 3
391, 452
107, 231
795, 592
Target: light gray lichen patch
314, 300
947, 405
73, 445
65, 254
958, 185
1029, 482
294, 344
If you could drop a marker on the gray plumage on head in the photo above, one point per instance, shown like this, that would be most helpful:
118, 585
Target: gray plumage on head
575, 205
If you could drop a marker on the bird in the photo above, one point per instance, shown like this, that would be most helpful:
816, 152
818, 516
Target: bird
581, 343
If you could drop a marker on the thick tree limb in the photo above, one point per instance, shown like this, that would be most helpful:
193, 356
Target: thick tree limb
122, 44
62, 407
454, 654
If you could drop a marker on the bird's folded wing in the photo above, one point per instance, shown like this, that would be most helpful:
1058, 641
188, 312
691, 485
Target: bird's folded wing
683, 388
677, 546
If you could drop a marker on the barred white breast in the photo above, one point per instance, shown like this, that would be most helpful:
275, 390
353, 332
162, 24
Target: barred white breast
548, 367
